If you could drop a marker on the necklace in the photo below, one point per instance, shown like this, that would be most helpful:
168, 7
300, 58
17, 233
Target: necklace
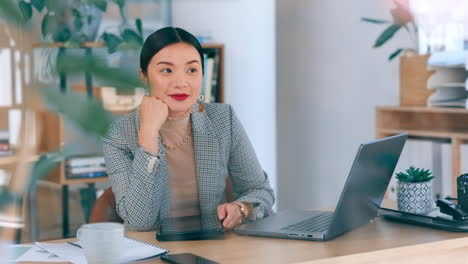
181, 143
180, 117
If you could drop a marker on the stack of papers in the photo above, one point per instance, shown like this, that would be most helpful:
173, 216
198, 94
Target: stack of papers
133, 250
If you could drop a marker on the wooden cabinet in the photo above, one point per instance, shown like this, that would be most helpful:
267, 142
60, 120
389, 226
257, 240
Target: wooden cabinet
426, 122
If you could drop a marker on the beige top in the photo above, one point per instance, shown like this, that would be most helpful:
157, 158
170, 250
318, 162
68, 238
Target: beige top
181, 166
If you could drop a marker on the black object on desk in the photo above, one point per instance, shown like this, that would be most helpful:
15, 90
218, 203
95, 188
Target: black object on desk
186, 258
199, 227
424, 220
462, 191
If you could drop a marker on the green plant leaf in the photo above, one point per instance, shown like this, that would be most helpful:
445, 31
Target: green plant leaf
26, 10
375, 21
76, 13
63, 34
131, 36
395, 54
38, 4
10, 11
78, 24
139, 26
386, 35
112, 42
45, 25
100, 4
120, 3
86, 113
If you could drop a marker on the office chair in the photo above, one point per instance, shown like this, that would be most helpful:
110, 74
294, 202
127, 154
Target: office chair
104, 210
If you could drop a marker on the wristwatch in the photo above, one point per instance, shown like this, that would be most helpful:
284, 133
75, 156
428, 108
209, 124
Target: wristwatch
242, 208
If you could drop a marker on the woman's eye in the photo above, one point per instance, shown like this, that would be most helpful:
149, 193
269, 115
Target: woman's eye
166, 71
192, 70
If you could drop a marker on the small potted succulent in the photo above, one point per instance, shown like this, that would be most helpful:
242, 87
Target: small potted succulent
414, 190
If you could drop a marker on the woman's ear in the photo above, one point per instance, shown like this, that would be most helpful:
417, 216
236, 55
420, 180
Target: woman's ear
143, 77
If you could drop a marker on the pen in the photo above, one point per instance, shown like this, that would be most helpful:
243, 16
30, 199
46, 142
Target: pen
74, 244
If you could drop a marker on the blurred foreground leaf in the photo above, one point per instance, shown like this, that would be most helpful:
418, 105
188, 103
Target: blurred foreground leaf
6, 198
114, 77
26, 10
38, 4
11, 13
86, 113
46, 163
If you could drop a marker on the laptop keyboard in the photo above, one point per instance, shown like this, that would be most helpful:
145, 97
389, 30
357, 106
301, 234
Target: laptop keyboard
317, 223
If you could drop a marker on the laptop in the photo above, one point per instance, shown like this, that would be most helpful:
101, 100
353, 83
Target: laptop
359, 202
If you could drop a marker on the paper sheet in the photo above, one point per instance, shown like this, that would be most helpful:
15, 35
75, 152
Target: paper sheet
31, 253
65, 251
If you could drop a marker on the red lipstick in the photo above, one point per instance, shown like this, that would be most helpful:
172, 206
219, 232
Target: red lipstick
179, 97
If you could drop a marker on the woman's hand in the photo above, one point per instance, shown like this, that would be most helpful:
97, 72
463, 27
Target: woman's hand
153, 114
231, 215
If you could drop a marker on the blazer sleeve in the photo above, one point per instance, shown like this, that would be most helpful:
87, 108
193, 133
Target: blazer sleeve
133, 181
250, 182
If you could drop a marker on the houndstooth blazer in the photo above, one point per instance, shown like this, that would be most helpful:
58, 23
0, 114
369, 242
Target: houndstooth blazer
140, 180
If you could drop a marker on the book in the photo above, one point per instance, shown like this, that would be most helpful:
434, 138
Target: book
85, 161
205, 62
214, 78
209, 82
135, 250
86, 169
87, 175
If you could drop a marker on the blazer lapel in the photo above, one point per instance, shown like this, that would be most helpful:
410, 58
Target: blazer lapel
208, 162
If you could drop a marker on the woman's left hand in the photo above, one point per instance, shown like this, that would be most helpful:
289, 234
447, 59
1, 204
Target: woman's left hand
230, 214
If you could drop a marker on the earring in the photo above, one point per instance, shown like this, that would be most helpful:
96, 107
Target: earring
201, 108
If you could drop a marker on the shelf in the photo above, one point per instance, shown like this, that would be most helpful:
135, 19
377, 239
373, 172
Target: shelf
85, 180
61, 45
423, 109
426, 133
11, 160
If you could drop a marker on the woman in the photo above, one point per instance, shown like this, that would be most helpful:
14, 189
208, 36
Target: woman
171, 156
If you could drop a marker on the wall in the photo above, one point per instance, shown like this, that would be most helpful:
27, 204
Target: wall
247, 28
329, 81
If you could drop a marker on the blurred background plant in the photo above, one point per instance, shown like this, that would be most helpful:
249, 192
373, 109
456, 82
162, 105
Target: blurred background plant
402, 18
82, 111
77, 21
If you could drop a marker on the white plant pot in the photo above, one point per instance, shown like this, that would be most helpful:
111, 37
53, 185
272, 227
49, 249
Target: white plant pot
415, 197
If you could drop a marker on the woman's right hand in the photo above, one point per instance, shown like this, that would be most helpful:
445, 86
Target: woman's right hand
153, 114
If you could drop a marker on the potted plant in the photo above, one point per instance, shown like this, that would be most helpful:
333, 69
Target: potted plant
414, 190
413, 67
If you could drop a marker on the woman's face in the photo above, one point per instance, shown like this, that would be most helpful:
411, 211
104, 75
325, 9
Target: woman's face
174, 75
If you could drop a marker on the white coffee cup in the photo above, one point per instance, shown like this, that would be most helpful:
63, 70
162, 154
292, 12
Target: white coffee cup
101, 242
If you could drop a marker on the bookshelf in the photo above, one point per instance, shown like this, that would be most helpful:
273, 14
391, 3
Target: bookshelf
53, 128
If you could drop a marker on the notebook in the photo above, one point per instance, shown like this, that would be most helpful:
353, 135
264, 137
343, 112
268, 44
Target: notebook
134, 250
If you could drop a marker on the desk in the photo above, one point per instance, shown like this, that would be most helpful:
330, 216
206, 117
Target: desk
452, 251
376, 235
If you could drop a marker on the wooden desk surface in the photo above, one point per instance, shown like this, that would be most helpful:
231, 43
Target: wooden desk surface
376, 235
453, 251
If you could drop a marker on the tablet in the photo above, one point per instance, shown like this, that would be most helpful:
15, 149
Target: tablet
199, 227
